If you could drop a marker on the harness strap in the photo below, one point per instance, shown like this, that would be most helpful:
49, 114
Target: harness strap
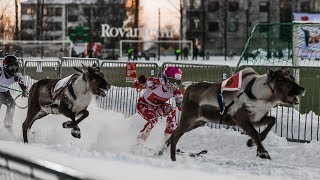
224, 109
229, 105
55, 95
248, 89
71, 90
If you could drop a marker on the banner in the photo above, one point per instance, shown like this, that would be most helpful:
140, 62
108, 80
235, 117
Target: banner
131, 72
308, 41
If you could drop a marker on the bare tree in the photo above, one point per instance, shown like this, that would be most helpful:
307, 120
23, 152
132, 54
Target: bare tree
5, 23
16, 34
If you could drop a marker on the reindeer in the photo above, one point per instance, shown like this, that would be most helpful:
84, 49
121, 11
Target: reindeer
247, 108
69, 96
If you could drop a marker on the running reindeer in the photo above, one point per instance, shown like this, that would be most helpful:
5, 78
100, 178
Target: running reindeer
69, 96
248, 108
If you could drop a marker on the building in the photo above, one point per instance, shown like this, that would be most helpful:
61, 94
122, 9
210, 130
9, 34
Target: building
51, 20
207, 19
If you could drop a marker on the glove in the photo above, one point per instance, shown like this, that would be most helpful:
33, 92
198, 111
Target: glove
142, 79
179, 103
167, 108
25, 93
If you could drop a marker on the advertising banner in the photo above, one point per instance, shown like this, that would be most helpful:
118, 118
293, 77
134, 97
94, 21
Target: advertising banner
308, 35
131, 72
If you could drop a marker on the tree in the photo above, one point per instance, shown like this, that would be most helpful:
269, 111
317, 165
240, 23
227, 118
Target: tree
16, 34
5, 23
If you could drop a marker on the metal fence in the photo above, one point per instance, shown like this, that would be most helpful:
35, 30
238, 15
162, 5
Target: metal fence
13, 167
300, 123
295, 123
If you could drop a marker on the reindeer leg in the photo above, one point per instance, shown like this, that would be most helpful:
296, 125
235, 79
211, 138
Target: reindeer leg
246, 125
64, 109
267, 120
75, 132
31, 118
85, 114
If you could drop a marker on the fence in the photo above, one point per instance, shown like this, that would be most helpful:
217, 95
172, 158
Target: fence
299, 124
122, 96
13, 167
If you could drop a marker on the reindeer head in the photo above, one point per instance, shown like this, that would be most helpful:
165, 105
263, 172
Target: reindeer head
284, 86
97, 83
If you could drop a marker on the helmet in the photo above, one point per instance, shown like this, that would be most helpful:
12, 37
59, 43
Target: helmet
11, 65
172, 76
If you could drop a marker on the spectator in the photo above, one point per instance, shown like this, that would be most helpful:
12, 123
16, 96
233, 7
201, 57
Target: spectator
130, 52
185, 53
177, 52
195, 53
135, 53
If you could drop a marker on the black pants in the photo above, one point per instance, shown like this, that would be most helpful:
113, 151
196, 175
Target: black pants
6, 99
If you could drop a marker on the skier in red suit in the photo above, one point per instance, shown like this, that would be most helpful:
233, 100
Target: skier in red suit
153, 102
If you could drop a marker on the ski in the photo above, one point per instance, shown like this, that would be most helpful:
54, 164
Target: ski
192, 154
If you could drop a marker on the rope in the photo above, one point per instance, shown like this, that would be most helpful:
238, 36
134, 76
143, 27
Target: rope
17, 90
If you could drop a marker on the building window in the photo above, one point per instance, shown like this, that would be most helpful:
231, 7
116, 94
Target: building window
27, 10
27, 25
58, 26
213, 6
233, 26
50, 11
263, 6
233, 6
58, 11
72, 18
213, 26
305, 7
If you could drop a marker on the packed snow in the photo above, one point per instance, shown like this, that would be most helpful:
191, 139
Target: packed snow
107, 148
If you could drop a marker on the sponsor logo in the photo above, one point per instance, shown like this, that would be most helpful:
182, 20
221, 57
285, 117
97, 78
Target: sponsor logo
108, 31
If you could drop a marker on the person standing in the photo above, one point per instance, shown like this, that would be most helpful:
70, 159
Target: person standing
9, 75
195, 53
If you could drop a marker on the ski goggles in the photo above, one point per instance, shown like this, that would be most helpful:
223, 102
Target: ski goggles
171, 82
13, 68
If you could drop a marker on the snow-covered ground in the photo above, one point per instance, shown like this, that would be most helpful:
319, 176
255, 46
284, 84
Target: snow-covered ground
106, 148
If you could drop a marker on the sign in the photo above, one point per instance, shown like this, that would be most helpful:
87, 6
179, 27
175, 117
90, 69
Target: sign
79, 34
308, 35
131, 72
108, 31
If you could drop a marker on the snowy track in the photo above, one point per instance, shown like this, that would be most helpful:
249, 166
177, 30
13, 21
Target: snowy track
105, 150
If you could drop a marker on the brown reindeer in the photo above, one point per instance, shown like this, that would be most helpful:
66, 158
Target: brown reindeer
247, 108
69, 96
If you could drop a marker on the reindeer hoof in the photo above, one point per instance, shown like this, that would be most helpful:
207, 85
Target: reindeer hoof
264, 155
67, 124
75, 132
250, 143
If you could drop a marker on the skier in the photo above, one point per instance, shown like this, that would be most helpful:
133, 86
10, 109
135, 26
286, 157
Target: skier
9, 75
153, 103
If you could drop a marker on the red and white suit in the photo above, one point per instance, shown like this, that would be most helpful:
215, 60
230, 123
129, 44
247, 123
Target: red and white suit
153, 104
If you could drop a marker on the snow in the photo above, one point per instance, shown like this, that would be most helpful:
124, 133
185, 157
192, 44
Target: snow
106, 149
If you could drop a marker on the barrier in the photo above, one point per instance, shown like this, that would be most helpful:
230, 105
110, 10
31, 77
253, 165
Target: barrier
15, 167
67, 64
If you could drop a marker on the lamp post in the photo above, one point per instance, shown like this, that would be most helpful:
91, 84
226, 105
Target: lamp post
159, 36
181, 24
225, 28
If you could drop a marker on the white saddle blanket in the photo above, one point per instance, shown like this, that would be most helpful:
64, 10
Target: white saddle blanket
62, 83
